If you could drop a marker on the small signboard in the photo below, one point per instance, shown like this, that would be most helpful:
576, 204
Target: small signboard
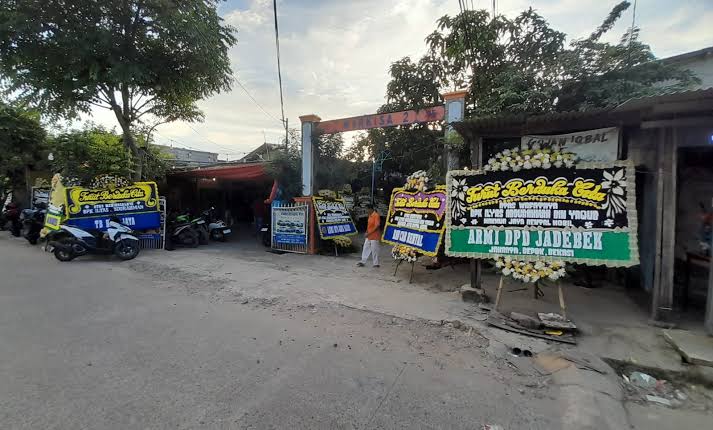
41, 196
333, 218
389, 119
600, 145
289, 225
416, 219
586, 214
136, 205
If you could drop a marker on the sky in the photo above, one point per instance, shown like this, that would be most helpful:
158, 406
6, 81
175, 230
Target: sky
335, 56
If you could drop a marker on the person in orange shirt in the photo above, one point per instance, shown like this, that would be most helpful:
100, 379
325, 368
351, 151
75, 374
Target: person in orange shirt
373, 236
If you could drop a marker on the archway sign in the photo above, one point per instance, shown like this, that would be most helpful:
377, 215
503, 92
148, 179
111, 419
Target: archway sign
452, 111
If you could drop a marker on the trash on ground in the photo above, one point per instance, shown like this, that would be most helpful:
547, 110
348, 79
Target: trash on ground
496, 319
659, 400
642, 380
526, 320
556, 321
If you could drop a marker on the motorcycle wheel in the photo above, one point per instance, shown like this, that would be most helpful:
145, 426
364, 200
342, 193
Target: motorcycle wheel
126, 249
217, 235
63, 254
203, 236
192, 240
189, 238
33, 240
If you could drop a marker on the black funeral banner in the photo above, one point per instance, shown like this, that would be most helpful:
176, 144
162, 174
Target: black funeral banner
582, 197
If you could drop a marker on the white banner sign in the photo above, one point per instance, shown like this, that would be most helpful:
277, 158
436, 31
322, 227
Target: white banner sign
601, 145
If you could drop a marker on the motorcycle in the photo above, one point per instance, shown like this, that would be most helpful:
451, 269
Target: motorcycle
11, 214
217, 229
33, 220
181, 233
199, 224
70, 242
266, 234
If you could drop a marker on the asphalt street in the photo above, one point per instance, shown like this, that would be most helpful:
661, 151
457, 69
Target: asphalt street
95, 344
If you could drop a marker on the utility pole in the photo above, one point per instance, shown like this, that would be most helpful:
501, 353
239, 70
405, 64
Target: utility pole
287, 133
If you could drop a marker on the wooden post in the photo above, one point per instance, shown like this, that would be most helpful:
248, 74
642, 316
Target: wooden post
398, 263
476, 162
708, 321
500, 291
410, 278
666, 205
474, 273
563, 307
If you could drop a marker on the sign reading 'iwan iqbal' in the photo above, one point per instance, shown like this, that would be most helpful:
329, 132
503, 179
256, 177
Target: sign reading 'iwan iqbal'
586, 214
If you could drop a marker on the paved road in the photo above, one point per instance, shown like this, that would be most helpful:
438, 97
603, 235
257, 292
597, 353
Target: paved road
94, 344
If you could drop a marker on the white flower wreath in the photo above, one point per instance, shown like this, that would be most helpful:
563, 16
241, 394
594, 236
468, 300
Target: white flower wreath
418, 181
400, 252
516, 160
519, 159
531, 271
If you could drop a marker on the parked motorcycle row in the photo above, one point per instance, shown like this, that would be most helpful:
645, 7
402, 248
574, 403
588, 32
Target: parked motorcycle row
26, 222
69, 242
190, 231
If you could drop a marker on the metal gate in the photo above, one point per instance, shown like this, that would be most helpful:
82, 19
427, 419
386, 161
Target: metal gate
156, 240
289, 227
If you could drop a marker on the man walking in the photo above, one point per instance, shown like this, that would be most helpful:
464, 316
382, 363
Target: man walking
373, 236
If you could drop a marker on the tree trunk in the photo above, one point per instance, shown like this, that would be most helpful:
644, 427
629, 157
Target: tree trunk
130, 144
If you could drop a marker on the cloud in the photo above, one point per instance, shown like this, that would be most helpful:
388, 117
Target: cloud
336, 54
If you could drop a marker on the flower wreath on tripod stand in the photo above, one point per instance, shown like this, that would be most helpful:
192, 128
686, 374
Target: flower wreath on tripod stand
525, 159
417, 181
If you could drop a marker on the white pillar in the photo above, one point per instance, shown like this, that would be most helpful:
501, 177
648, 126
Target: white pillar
309, 123
455, 110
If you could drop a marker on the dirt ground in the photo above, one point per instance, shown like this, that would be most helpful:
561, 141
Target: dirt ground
163, 342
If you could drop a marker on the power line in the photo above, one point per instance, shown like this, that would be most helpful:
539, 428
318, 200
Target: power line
256, 102
279, 70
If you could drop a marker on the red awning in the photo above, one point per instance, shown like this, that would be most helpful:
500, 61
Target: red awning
233, 172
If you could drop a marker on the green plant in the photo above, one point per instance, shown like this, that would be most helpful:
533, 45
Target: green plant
139, 59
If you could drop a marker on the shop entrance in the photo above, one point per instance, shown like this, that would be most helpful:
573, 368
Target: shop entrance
236, 191
694, 224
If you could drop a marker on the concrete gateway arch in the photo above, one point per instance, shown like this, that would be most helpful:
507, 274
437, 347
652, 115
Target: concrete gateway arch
451, 111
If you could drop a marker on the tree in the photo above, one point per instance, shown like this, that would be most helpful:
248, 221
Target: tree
513, 66
85, 154
22, 140
93, 151
137, 58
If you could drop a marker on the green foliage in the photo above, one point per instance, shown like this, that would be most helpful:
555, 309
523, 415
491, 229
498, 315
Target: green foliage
137, 58
511, 66
88, 153
93, 151
22, 140
286, 167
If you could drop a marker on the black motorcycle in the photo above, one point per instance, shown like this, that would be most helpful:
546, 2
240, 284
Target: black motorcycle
266, 234
11, 215
33, 220
181, 233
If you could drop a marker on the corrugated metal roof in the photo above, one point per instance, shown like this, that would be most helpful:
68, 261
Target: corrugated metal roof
638, 103
632, 111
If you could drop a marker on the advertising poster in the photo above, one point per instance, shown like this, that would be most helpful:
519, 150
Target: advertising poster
136, 206
289, 225
41, 196
416, 219
600, 145
333, 218
586, 214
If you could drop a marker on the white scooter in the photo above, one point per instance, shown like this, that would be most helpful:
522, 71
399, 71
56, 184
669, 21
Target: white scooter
70, 242
217, 229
